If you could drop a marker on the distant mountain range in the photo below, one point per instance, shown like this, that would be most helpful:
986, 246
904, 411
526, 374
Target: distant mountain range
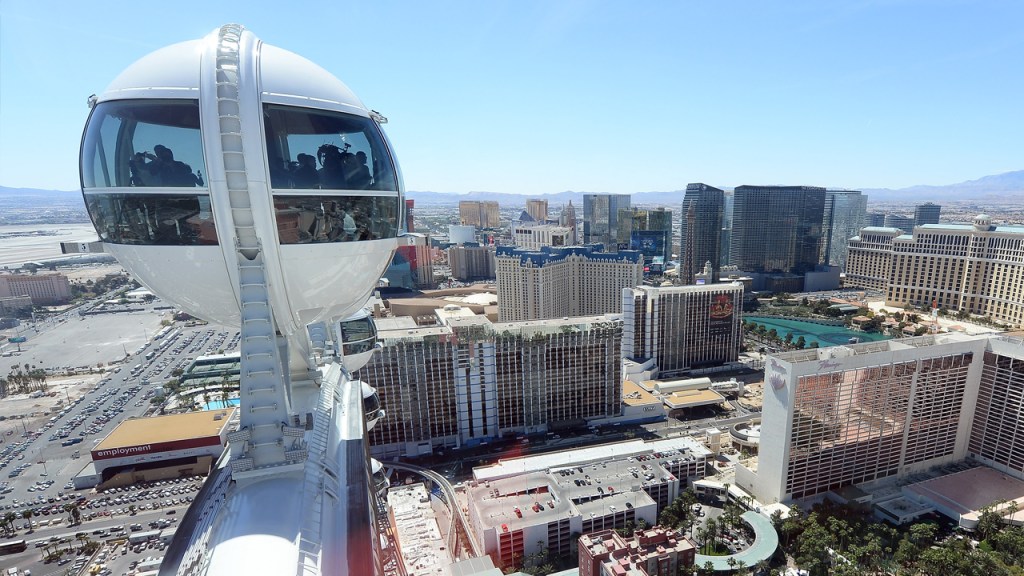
1007, 187
31, 206
443, 198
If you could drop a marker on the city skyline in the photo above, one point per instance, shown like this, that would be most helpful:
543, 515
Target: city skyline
580, 350
906, 108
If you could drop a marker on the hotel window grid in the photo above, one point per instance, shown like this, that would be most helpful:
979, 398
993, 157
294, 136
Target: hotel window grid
493, 381
977, 269
849, 426
676, 329
997, 436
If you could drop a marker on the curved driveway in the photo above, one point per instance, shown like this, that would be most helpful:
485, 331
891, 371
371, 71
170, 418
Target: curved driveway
766, 541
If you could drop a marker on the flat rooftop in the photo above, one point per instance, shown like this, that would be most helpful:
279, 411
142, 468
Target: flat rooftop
600, 479
395, 323
634, 395
513, 503
419, 537
692, 399
967, 492
510, 467
845, 350
170, 428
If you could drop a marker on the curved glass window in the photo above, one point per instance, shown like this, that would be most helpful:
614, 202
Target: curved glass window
320, 149
371, 406
143, 143
152, 219
317, 219
358, 336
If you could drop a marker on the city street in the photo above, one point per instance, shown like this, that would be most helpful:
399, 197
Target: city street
41, 455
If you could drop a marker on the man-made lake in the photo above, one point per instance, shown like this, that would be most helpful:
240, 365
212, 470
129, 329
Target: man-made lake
820, 333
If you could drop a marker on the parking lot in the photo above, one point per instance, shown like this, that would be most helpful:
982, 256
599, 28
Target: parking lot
42, 454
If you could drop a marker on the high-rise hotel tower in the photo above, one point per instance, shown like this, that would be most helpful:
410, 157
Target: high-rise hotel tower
853, 414
701, 231
682, 327
777, 229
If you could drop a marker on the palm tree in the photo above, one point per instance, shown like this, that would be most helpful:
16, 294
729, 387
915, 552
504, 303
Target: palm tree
712, 529
74, 514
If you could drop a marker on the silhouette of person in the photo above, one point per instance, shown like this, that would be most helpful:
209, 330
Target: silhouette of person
305, 175
173, 172
358, 174
143, 171
280, 176
332, 171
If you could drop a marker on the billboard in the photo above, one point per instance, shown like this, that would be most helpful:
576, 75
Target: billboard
721, 315
650, 243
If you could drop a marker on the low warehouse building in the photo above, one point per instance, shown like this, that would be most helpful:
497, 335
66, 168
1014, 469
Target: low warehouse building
146, 449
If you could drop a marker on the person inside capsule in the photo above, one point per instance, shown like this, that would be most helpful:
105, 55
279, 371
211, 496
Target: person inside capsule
341, 184
127, 158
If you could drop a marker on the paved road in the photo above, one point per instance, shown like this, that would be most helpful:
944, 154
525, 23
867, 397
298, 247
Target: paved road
32, 557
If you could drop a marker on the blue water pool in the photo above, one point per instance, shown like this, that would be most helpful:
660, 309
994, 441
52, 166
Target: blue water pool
216, 404
820, 333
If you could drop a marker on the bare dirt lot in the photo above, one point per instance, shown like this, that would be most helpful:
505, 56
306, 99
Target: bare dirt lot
27, 413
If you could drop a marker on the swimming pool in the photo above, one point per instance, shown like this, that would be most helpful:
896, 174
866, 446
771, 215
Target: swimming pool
216, 404
820, 333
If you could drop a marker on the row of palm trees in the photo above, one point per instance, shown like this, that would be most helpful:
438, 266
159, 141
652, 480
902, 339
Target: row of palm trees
771, 337
23, 381
52, 549
8, 521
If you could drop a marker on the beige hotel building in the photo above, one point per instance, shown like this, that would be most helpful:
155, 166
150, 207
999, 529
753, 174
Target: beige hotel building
847, 415
975, 267
557, 282
43, 289
469, 381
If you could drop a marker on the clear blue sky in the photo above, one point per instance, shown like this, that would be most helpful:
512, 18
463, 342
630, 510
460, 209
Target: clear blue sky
537, 97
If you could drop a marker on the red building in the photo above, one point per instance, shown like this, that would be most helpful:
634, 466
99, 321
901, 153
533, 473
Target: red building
653, 552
